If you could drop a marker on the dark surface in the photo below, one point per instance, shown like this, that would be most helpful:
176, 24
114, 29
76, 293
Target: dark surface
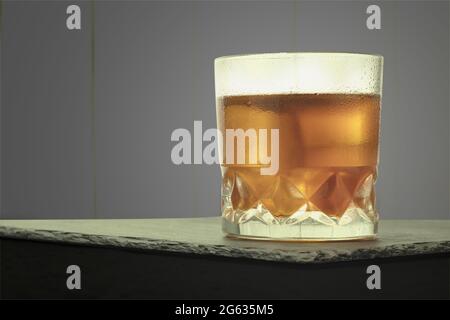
32, 269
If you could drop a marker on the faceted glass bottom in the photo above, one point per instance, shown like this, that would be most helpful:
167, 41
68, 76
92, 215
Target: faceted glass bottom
351, 213
310, 226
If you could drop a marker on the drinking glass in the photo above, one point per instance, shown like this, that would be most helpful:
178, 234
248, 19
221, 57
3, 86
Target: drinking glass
299, 142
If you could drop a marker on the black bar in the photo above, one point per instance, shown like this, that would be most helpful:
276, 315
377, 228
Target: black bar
37, 270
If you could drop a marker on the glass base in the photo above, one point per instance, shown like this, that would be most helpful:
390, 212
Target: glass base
354, 224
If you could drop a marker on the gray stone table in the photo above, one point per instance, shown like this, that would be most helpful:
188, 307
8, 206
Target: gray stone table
203, 236
191, 258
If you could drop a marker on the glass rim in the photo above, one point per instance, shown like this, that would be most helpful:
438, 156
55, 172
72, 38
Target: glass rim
287, 55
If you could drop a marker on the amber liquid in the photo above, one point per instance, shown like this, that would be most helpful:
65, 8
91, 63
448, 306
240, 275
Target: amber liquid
328, 152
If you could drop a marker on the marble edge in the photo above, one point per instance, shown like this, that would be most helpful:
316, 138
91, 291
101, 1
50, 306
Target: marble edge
276, 255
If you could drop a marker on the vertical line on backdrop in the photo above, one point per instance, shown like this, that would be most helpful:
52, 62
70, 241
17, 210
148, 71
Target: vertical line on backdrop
1, 171
1, 112
93, 113
448, 20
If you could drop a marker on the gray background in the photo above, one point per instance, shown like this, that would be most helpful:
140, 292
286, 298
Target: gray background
86, 116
